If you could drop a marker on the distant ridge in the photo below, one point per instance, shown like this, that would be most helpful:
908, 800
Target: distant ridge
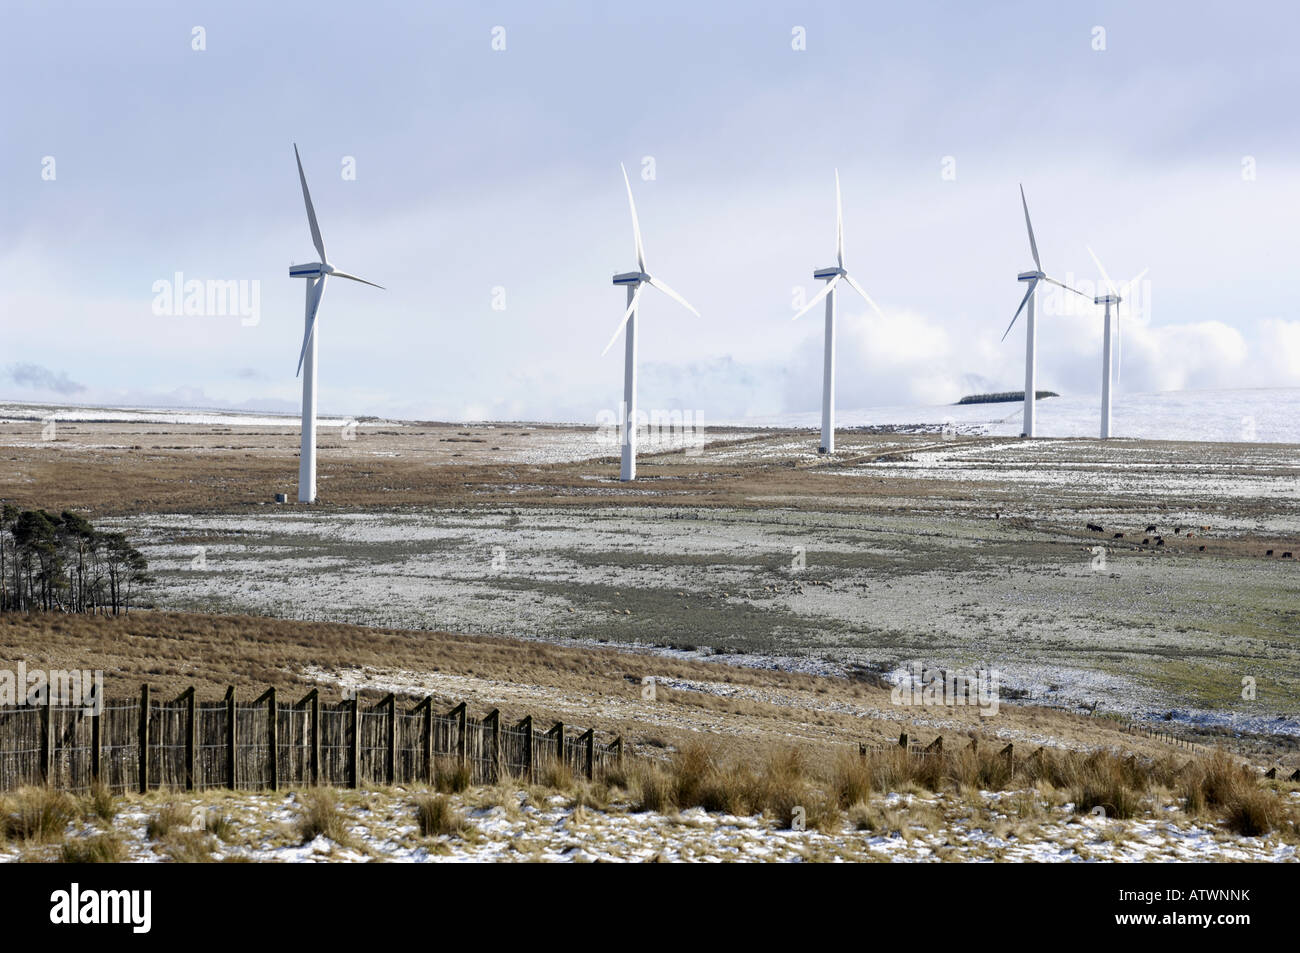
1005, 397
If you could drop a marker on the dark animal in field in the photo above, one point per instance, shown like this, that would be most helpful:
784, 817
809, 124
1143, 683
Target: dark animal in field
1178, 529
1201, 550
1094, 527
1286, 555
1118, 536
1146, 542
1150, 529
1160, 540
1269, 553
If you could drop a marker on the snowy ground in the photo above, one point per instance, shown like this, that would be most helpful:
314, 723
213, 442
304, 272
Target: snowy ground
1266, 415
1146, 638
506, 824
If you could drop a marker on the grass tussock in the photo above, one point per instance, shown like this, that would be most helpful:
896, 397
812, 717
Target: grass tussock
35, 815
169, 818
451, 776
322, 817
435, 815
1220, 785
97, 849
99, 802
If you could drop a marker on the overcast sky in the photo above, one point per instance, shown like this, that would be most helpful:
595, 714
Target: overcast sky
491, 177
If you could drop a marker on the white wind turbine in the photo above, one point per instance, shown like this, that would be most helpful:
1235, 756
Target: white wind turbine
1109, 299
315, 273
1031, 353
832, 277
634, 280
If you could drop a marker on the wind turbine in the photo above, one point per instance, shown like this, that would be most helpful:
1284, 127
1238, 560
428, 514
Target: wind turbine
633, 281
1109, 299
1031, 353
832, 276
315, 273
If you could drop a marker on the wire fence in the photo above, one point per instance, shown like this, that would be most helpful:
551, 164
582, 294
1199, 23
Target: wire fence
142, 743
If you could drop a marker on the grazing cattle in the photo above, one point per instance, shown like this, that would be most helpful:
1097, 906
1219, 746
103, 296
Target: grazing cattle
1146, 542
1286, 555
1177, 530
1150, 529
1160, 540
1094, 527
1201, 550
1118, 536
1269, 553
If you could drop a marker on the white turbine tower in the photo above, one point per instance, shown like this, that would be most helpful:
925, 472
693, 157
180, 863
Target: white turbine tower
1031, 352
832, 277
1109, 299
634, 280
315, 273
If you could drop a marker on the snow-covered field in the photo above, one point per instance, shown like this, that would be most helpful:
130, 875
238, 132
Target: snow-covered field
505, 824
1266, 415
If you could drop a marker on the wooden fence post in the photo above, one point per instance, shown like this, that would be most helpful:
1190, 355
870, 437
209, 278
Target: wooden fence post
47, 737
902, 741
427, 705
527, 727
462, 719
96, 740
590, 739
558, 732
312, 698
187, 696
618, 750
273, 739
232, 762
144, 738
390, 752
354, 776
492, 722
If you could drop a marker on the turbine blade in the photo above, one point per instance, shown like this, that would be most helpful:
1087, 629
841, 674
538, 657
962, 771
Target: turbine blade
1023, 302
817, 297
839, 222
344, 274
1102, 268
636, 225
317, 291
1135, 279
311, 212
1061, 284
1033, 245
674, 295
636, 296
859, 289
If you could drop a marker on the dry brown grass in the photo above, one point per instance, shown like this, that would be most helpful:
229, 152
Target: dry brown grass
322, 817
35, 815
172, 651
168, 818
435, 816
97, 849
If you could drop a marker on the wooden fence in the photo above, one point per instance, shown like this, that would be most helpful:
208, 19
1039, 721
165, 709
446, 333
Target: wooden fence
142, 743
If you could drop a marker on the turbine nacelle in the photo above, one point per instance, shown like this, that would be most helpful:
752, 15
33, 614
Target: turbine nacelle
1030, 276
632, 278
1107, 299
824, 274
313, 270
